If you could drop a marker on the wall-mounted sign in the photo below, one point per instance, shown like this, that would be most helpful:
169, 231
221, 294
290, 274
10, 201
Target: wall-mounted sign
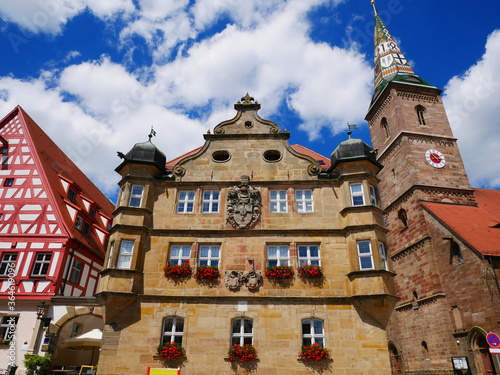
460, 363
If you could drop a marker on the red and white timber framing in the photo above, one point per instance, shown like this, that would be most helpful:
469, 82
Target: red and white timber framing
33, 229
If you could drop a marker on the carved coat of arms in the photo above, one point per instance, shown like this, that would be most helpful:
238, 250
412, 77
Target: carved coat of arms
244, 205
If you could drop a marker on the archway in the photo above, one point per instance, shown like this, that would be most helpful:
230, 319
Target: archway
480, 348
396, 361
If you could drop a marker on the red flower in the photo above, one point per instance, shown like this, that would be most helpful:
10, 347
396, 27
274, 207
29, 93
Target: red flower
207, 272
314, 352
279, 272
310, 272
241, 353
175, 271
171, 350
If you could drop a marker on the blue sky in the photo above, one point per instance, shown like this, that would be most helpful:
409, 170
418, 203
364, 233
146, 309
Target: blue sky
96, 75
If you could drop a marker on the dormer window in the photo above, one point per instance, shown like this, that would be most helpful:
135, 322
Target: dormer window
71, 195
86, 228
79, 223
92, 212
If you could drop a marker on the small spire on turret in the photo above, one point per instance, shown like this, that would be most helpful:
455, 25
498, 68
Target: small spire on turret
152, 133
374, 9
349, 127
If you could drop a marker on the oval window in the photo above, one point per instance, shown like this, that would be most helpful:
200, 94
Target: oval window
220, 156
272, 155
248, 124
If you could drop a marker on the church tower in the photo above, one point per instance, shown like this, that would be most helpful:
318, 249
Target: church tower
422, 163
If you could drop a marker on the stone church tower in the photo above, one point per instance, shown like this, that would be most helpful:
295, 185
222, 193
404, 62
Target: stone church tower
433, 321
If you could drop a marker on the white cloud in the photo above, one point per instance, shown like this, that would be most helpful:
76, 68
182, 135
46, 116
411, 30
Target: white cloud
471, 101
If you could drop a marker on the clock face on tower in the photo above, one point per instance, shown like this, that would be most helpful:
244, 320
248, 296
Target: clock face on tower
435, 158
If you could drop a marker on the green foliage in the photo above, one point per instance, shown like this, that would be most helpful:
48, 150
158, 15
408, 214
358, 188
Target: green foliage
37, 364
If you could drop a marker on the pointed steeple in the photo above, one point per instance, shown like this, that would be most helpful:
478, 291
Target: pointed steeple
389, 60
390, 63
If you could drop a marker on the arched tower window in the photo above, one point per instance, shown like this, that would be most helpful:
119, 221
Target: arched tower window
403, 217
385, 127
420, 114
425, 349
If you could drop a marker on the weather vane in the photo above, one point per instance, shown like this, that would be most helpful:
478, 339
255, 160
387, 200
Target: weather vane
349, 127
152, 133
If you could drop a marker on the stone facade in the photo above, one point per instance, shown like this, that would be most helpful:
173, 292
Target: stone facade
244, 160
448, 301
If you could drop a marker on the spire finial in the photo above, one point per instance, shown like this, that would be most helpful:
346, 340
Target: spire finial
374, 9
349, 127
152, 133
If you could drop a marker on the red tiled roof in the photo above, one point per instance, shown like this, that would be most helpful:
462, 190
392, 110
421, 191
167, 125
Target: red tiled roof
323, 161
56, 163
475, 225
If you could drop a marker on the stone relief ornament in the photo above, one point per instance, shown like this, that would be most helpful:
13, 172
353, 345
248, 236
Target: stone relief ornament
253, 279
243, 205
234, 279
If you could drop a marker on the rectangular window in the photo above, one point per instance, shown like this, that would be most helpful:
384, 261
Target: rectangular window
8, 182
365, 255
209, 255
110, 258
76, 329
313, 332
308, 255
304, 200
373, 196
277, 201
180, 254
242, 332
7, 327
76, 270
357, 195
136, 196
211, 200
7, 264
277, 255
86, 228
186, 201
125, 255
71, 195
3, 150
92, 212
78, 223
41, 265
173, 330
383, 256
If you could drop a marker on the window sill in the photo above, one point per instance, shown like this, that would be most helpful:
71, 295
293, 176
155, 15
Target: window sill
363, 208
364, 273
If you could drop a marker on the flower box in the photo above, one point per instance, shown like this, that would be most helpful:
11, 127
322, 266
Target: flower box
314, 352
239, 353
207, 273
175, 271
310, 272
279, 272
4, 342
171, 350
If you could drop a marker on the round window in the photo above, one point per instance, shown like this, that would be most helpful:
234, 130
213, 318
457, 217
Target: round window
272, 155
220, 156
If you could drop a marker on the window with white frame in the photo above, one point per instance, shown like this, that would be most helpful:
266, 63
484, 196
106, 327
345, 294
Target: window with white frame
278, 255
277, 201
357, 197
373, 196
136, 194
180, 254
110, 257
173, 330
7, 327
313, 332
6, 265
76, 270
125, 255
185, 203
308, 255
209, 255
211, 200
365, 255
41, 264
383, 256
304, 200
241, 332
